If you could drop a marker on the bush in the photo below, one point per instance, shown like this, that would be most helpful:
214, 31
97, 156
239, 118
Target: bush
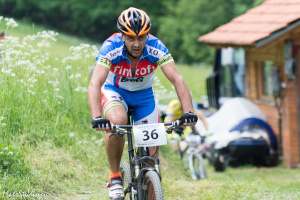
11, 161
43, 86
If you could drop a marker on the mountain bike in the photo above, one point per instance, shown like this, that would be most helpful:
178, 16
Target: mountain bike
141, 174
192, 151
194, 155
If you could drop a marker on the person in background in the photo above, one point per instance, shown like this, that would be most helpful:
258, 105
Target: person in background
173, 112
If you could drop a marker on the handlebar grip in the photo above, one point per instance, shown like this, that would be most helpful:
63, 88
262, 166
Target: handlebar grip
100, 123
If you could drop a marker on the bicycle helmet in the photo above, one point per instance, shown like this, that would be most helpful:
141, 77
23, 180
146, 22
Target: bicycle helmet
134, 22
174, 110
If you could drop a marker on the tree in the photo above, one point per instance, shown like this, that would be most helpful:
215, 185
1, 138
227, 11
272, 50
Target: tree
178, 23
187, 20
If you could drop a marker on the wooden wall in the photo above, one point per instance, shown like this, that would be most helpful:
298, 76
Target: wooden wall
290, 102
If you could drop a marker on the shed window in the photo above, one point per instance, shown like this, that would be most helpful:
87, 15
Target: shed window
232, 74
267, 89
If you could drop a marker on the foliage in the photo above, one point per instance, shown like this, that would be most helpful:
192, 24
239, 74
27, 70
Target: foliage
43, 80
179, 23
11, 161
187, 20
95, 19
66, 159
40, 80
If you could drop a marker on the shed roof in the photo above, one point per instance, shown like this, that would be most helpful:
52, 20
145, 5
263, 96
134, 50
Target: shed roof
258, 25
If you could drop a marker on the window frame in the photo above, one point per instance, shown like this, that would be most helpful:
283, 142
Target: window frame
261, 94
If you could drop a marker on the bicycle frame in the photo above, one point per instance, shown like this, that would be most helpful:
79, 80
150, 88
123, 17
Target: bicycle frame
138, 162
141, 172
194, 148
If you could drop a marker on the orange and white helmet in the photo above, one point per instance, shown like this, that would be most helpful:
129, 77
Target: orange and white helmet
134, 22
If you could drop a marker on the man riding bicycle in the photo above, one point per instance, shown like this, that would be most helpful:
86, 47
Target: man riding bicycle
122, 80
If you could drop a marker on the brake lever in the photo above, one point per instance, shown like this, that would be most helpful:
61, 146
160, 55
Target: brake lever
169, 130
115, 130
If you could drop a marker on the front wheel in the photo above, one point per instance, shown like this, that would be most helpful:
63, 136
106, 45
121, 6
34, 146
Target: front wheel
151, 186
125, 170
197, 166
220, 163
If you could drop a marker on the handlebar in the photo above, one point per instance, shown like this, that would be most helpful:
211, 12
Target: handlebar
123, 129
167, 124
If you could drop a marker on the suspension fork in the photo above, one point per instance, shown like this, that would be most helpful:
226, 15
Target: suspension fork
130, 153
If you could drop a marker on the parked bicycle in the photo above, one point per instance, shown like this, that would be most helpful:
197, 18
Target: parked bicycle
192, 150
142, 173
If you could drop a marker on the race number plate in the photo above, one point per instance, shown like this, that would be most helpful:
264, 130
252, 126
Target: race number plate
149, 135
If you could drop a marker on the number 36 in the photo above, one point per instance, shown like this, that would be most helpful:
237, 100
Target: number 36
153, 135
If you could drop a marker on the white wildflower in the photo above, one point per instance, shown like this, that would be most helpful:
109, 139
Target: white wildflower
99, 142
47, 35
77, 75
40, 71
3, 124
54, 83
8, 72
71, 135
31, 92
43, 43
68, 67
10, 22
80, 89
59, 97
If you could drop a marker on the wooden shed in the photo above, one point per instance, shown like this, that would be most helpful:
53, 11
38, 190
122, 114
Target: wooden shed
269, 35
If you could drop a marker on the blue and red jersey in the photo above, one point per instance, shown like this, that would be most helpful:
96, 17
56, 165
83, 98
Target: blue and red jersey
113, 55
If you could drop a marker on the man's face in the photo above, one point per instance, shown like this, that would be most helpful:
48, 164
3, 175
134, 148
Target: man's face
135, 44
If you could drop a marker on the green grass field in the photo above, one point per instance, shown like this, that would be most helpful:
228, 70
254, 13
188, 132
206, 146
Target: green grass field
48, 150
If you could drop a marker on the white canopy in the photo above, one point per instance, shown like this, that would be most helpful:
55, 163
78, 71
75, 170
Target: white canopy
231, 113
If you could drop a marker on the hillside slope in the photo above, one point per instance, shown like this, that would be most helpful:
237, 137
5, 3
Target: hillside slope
48, 150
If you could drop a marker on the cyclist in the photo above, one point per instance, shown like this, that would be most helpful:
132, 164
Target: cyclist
173, 112
122, 80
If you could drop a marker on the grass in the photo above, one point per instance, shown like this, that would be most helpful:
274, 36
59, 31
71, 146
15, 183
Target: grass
194, 77
48, 149
243, 183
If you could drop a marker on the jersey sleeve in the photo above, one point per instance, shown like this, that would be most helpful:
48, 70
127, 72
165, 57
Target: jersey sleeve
103, 58
165, 59
165, 56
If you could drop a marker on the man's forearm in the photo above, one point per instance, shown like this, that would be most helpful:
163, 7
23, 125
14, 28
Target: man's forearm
182, 91
97, 79
184, 96
94, 100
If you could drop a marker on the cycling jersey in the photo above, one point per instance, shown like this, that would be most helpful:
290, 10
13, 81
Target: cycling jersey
113, 55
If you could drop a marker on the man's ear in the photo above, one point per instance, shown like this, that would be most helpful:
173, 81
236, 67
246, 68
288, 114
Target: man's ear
123, 37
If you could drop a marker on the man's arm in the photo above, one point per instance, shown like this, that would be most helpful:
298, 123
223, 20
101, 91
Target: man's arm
169, 69
97, 79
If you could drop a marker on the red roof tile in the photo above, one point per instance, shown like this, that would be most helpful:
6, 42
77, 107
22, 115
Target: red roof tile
256, 24
284, 2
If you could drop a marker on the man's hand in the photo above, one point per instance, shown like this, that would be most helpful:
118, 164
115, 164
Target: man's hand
179, 130
100, 123
188, 118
